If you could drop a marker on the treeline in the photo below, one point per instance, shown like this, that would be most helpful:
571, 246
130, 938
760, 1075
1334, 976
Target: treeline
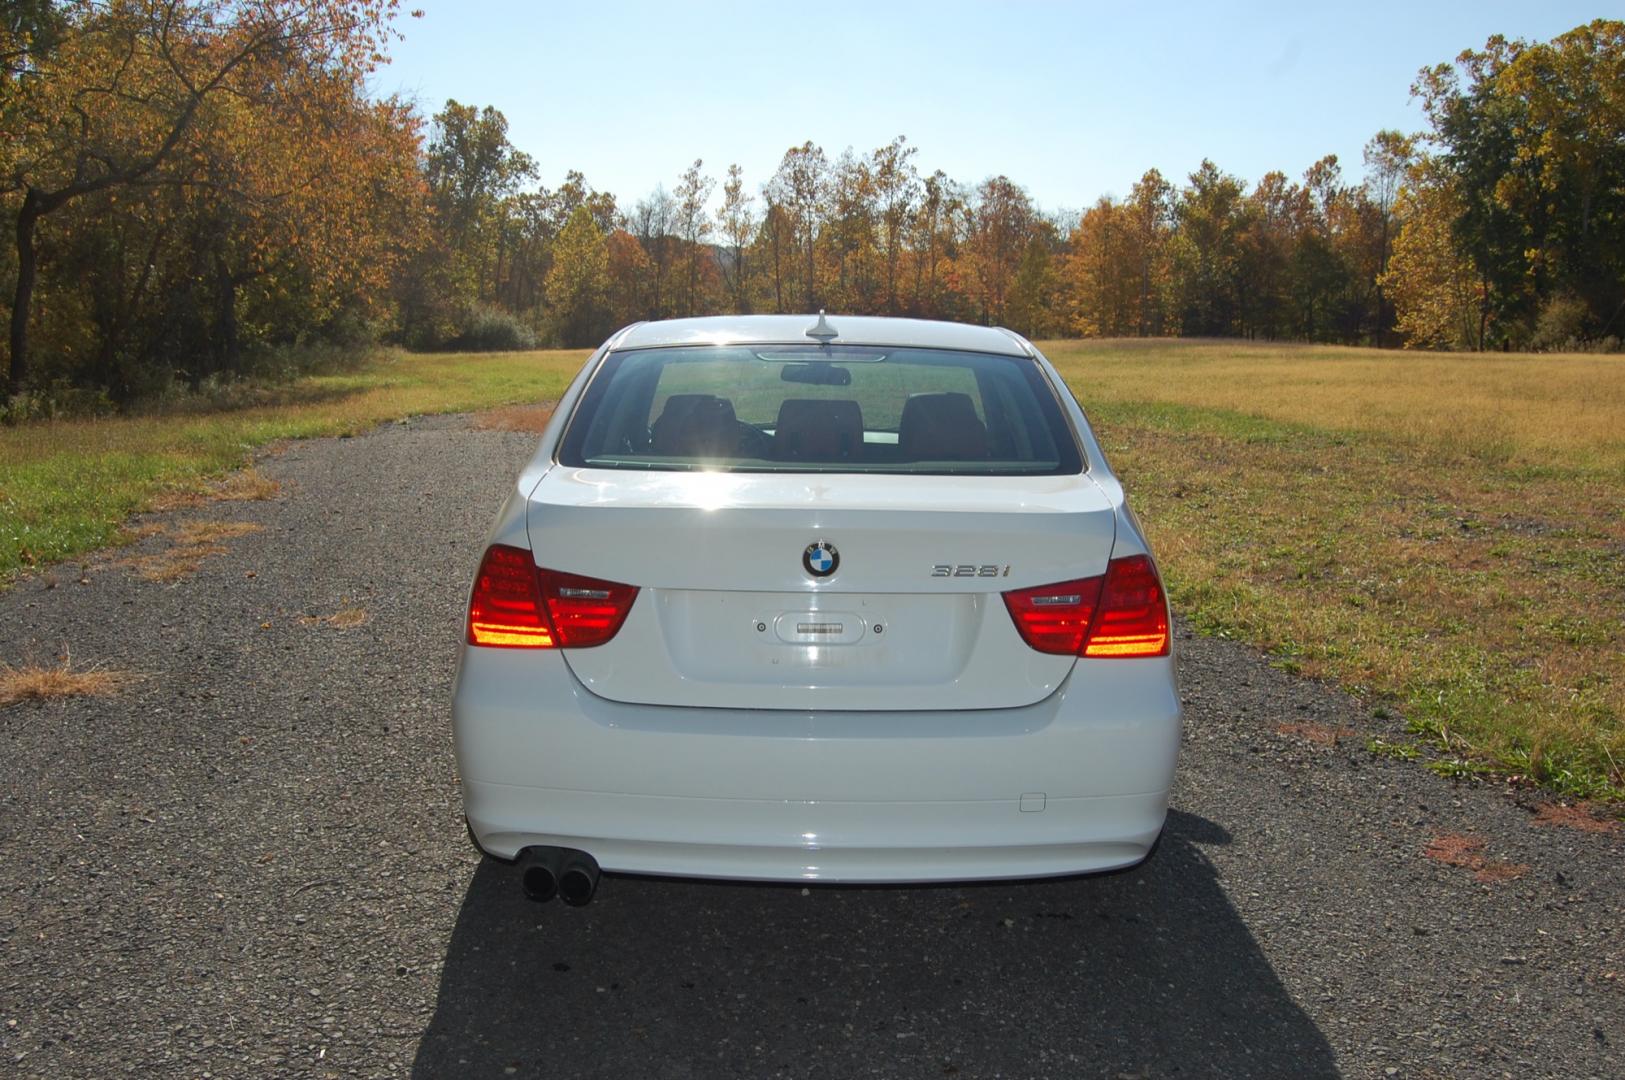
204, 189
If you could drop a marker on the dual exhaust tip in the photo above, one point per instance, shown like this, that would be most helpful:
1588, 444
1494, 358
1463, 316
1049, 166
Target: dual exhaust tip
546, 872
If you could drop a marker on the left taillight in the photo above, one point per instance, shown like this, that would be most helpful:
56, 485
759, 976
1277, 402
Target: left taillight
518, 605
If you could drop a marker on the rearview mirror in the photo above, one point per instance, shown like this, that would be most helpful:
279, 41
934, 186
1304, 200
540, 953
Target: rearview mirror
816, 374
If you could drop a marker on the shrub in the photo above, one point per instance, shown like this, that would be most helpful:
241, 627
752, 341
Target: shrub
487, 329
57, 400
1561, 325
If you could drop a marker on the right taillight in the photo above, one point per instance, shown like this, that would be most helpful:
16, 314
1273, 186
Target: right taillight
1119, 614
518, 605
1133, 617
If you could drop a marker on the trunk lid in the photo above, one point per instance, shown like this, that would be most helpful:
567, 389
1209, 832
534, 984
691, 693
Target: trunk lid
729, 615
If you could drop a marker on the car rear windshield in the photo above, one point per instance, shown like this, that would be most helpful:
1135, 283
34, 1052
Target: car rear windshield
820, 408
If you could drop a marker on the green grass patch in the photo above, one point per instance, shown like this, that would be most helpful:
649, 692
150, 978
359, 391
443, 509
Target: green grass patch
65, 487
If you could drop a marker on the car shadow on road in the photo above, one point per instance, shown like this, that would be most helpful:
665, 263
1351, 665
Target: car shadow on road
1146, 972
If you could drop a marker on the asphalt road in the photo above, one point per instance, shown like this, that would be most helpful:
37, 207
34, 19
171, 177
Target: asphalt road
251, 863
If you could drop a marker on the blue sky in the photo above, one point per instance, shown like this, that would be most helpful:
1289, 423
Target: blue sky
1072, 101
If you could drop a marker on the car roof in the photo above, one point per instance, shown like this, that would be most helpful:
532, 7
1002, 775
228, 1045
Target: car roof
792, 329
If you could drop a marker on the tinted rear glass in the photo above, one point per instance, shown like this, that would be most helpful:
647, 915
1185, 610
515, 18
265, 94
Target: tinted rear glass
820, 408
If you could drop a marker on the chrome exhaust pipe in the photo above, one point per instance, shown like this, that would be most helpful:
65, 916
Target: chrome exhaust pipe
539, 872
578, 878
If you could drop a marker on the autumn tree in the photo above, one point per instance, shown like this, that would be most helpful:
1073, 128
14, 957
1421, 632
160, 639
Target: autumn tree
1388, 156
1317, 276
653, 221
1533, 137
629, 272
798, 187
1102, 290
293, 222
532, 221
738, 223
1274, 225
935, 238
574, 193
116, 103
848, 235
1150, 221
773, 254
472, 170
1435, 289
578, 283
896, 188
1206, 252
693, 226
1001, 225
1031, 308
1115, 277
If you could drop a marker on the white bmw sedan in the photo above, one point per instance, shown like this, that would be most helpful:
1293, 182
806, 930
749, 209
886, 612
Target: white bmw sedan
796, 598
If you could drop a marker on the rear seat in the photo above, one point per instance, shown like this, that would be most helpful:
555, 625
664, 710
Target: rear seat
941, 427
820, 431
695, 425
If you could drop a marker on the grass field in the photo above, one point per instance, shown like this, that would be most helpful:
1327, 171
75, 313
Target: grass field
66, 487
1444, 535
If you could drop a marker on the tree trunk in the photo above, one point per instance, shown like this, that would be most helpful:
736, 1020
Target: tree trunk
27, 269
931, 259
228, 346
811, 272
778, 274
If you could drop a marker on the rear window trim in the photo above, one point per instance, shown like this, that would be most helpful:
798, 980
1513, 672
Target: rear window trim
610, 350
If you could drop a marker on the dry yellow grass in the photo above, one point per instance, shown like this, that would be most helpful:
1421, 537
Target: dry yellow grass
173, 564
245, 485
44, 682
130, 533
1318, 734
347, 617
1542, 409
193, 542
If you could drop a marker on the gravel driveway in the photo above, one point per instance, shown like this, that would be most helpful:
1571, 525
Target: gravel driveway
251, 862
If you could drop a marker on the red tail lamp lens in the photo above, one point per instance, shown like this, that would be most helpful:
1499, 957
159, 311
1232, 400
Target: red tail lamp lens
1120, 614
1055, 618
517, 605
505, 608
585, 611
1133, 619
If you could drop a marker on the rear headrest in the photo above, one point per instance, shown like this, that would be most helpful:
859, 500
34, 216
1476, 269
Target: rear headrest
695, 425
812, 430
941, 427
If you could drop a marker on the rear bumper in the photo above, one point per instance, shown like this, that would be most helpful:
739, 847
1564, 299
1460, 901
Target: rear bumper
1077, 782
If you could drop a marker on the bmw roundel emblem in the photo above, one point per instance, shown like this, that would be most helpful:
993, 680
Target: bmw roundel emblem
821, 558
